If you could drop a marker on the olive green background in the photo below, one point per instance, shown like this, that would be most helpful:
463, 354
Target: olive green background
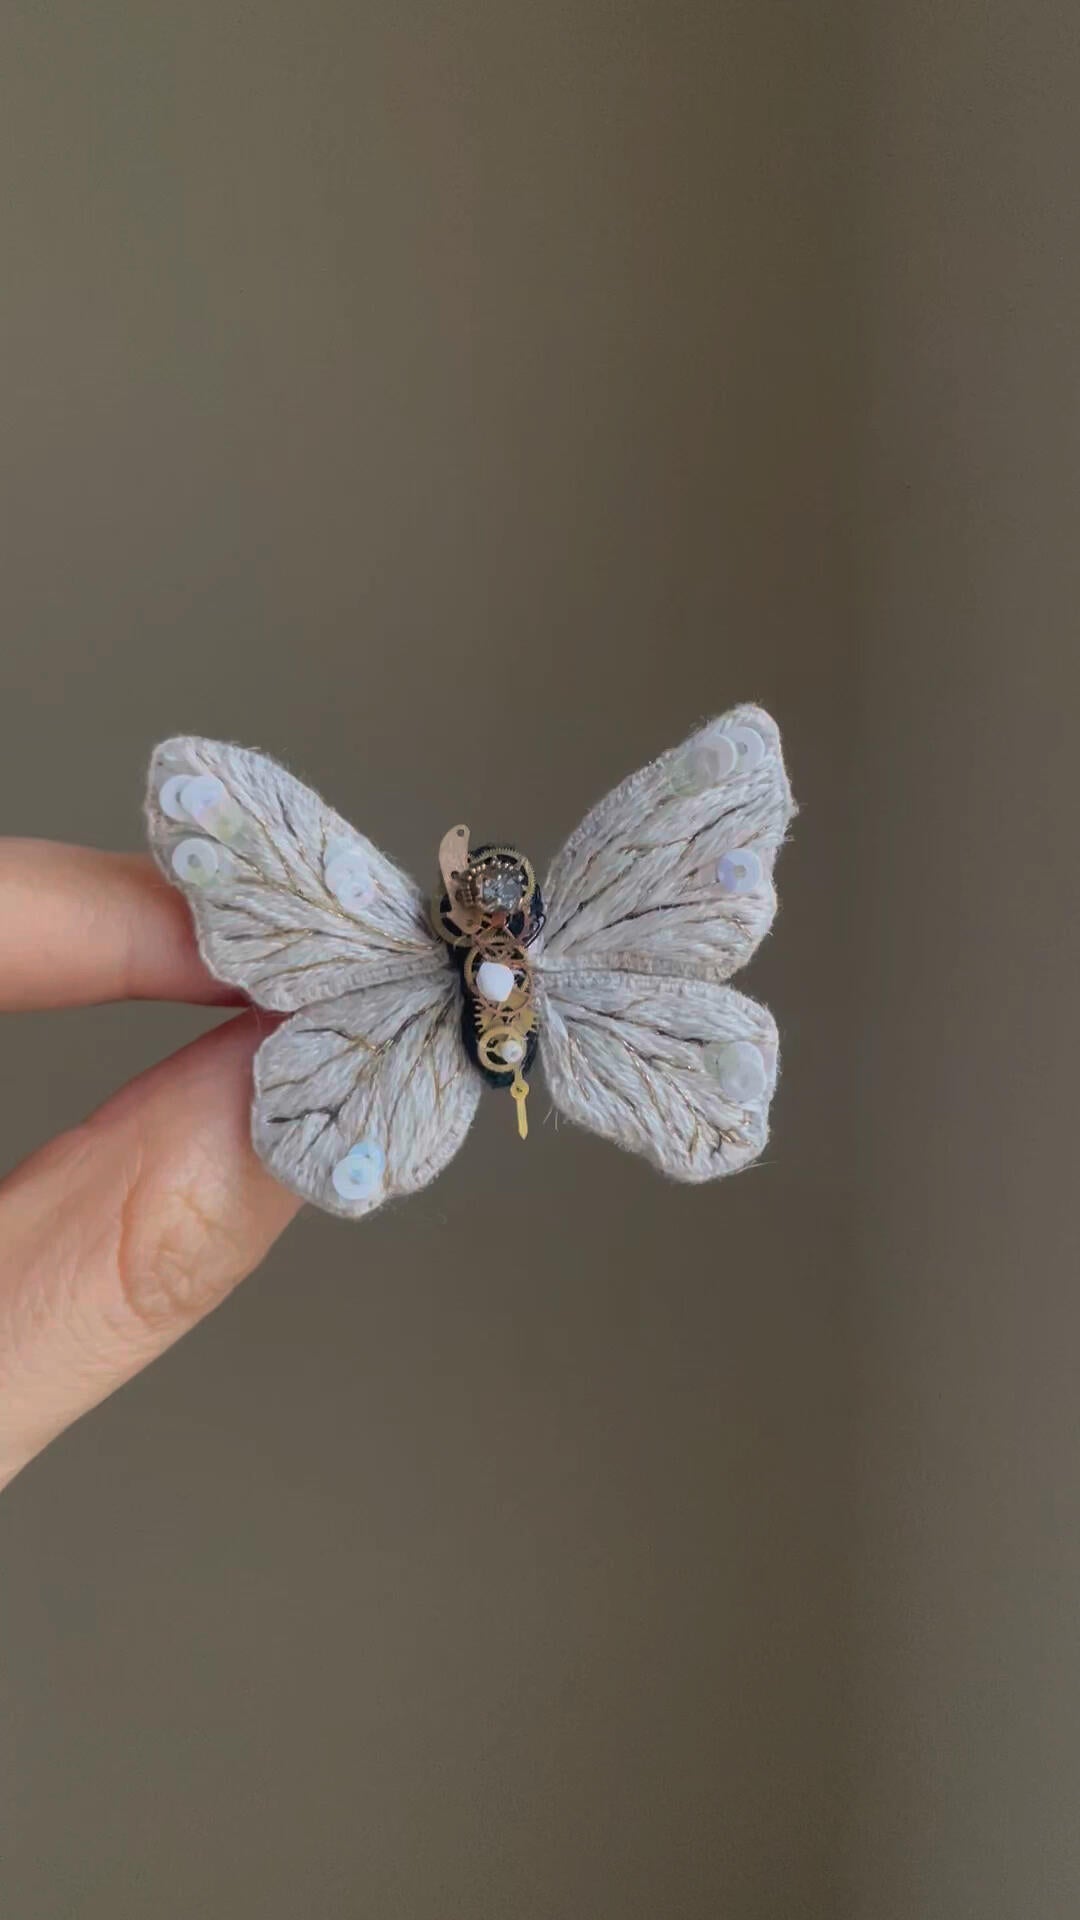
460, 403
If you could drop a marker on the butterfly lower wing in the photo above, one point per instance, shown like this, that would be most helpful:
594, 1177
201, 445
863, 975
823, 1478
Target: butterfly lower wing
672, 873
366, 1096
290, 903
680, 1070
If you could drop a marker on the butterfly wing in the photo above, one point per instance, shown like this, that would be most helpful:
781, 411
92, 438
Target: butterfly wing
673, 872
367, 1096
679, 1070
290, 903
367, 1091
664, 890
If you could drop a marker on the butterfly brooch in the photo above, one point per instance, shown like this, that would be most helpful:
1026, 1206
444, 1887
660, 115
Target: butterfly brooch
614, 972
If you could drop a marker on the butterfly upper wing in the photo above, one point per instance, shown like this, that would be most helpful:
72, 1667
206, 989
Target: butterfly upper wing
290, 903
672, 872
366, 1096
664, 890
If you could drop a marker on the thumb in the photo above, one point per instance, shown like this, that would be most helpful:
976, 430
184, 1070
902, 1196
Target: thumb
120, 1235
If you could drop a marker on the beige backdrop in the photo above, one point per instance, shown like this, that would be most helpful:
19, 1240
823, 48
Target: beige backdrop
460, 403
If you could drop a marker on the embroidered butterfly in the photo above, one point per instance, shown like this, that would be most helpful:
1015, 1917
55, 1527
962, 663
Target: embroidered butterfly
401, 1008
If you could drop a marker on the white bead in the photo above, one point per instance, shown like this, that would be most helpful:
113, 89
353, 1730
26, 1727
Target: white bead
512, 1051
739, 1067
207, 801
495, 981
749, 746
169, 796
196, 862
360, 1175
702, 764
739, 872
348, 877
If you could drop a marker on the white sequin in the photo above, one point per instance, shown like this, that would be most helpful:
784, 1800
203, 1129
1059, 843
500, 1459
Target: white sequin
749, 746
739, 872
360, 1175
207, 801
512, 1051
739, 1068
202, 791
196, 862
348, 877
703, 763
495, 981
169, 797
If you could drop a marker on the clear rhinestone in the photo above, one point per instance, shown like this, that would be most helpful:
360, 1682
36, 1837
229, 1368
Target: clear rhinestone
501, 888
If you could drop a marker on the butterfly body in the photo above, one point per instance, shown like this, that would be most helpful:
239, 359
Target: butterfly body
615, 973
490, 914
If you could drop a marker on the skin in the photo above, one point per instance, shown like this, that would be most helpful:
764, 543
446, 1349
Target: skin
119, 1235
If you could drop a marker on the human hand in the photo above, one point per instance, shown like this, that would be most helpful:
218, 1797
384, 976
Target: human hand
120, 1234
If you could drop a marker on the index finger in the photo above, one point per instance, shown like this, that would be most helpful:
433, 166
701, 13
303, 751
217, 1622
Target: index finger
78, 926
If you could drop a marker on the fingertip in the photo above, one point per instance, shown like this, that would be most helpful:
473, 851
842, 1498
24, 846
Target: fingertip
79, 926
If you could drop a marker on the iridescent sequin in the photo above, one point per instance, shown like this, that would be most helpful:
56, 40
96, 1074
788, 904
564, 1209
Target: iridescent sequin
701, 764
749, 746
196, 862
739, 872
359, 1176
169, 797
738, 1067
348, 878
207, 801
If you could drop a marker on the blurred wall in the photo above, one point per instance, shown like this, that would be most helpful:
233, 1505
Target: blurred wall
966, 1777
